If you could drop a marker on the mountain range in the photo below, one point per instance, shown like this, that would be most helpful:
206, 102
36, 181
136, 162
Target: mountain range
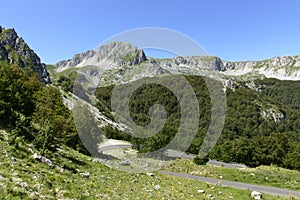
120, 62
263, 98
43, 155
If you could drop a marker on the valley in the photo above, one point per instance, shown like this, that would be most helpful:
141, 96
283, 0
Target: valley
63, 137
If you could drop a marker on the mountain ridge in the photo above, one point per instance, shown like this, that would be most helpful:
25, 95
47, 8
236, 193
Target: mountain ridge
280, 67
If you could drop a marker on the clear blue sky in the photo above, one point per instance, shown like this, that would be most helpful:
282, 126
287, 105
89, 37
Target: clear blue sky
231, 29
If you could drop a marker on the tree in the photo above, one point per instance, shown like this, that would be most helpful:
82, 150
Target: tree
16, 93
51, 112
201, 161
292, 158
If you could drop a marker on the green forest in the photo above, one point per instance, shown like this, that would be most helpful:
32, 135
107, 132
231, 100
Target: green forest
247, 137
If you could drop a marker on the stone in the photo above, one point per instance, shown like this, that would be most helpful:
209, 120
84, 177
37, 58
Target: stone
201, 191
85, 175
47, 161
23, 184
36, 156
256, 195
30, 149
13, 159
125, 163
149, 174
44, 160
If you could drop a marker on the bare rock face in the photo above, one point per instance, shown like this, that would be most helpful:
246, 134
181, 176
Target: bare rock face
115, 53
16, 51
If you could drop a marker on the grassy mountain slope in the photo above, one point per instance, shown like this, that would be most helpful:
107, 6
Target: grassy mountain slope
23, 177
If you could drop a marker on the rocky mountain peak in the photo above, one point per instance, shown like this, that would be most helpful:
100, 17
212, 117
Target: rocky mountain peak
114, 53
115, 50
15, 50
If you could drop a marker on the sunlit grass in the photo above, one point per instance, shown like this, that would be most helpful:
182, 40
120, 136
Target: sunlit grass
263, 175
23, 177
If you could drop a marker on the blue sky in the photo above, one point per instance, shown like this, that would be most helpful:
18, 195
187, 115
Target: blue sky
231, 29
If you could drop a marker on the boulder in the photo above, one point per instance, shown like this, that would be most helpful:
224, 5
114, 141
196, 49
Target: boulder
256, 195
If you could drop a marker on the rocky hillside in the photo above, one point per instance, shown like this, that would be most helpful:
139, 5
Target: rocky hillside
16, 51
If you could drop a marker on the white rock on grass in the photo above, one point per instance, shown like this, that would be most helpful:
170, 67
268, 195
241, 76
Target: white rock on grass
256, 195
43, 159
85, 175
201, 191
157, 187
149, 174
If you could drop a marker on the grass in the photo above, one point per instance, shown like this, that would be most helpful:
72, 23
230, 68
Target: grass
263, 175
23, 177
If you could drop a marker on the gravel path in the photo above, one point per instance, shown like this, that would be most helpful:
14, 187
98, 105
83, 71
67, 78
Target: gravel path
116, 146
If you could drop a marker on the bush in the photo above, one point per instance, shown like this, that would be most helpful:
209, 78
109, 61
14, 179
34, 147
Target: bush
201, 161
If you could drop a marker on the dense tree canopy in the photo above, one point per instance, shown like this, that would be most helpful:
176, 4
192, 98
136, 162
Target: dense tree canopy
248, 136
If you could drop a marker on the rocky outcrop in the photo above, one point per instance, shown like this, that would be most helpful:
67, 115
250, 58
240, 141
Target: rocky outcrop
273, 114
15, 50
